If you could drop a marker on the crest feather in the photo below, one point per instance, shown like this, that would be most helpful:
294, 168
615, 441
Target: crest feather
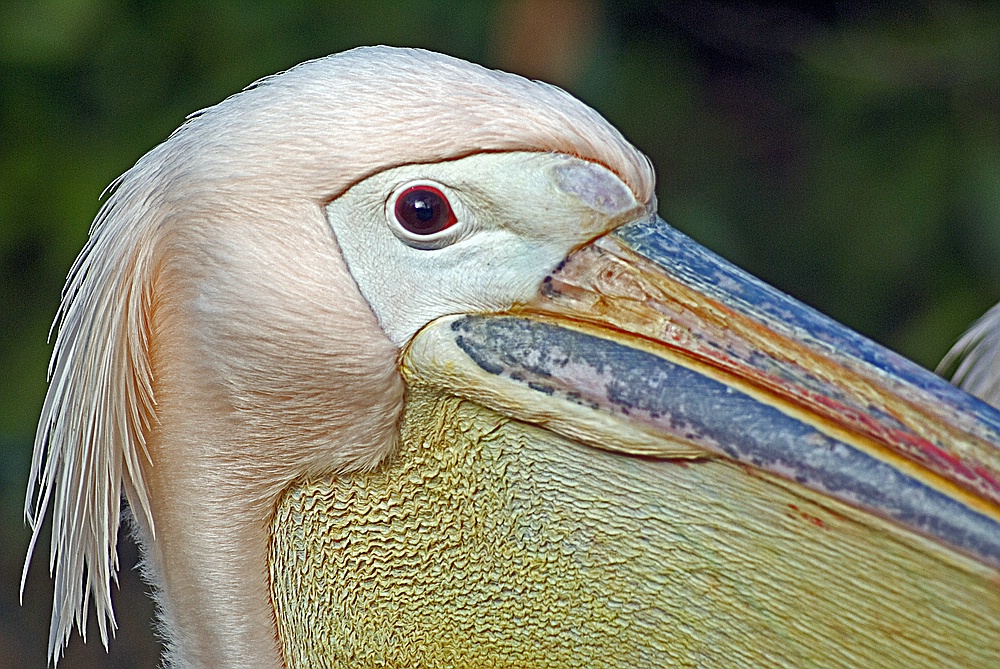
97, 409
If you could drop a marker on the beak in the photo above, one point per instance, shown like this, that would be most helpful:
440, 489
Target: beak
645, 343
659, 461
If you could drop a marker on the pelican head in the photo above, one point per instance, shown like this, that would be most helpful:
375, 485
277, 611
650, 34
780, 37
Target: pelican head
393, 359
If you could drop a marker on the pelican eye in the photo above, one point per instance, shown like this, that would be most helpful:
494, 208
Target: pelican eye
424, 210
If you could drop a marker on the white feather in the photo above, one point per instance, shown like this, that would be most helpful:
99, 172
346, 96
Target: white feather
91, 433
977, 353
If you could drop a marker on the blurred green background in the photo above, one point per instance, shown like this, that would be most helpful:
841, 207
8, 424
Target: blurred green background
848, 153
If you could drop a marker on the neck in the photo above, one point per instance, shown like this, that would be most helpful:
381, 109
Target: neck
208, 559
250, 396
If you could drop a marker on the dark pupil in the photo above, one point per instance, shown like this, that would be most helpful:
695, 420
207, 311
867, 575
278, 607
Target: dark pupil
421, 211
424, 209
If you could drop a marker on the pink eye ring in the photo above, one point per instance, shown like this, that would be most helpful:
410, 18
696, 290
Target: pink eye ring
424, 210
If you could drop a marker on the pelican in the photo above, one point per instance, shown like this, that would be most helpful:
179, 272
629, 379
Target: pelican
975, 358
396, 365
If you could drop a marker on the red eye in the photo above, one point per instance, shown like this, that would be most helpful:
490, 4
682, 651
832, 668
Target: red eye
424, 210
